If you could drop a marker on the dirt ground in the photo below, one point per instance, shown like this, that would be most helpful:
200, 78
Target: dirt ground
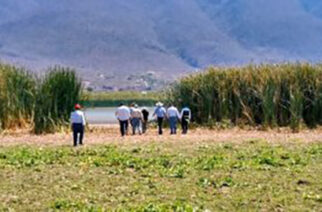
109, 134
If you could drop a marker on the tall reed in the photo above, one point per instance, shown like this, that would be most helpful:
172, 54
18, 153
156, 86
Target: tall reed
56, 95
17, 97
266, 95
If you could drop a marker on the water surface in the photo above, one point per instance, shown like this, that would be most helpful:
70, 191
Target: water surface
105, 115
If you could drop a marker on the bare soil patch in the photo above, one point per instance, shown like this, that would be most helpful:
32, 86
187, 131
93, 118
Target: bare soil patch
109, 134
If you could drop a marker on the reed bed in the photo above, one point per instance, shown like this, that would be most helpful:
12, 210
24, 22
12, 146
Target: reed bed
258, 95
283, 95
113, 99
56, 96
17, 97
42, 104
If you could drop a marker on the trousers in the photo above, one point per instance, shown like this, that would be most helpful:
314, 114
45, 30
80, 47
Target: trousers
144, 126
173, 125
160, 122
78, 133
136, 125
184, 125
124, 126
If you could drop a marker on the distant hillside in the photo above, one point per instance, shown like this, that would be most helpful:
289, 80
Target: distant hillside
115, 43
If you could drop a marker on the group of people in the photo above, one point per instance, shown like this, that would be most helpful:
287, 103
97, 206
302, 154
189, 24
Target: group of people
173, 115
133, 115
137, 118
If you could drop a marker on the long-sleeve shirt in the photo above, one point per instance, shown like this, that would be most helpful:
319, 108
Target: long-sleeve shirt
185, 113
160, 112
123, 113
136, 113
173, 112
78, 117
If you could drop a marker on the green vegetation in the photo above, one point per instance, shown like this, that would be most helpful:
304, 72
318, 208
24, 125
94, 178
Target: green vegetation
112, 99
249, 176
266, 95
17, 97
57, 95
41, 104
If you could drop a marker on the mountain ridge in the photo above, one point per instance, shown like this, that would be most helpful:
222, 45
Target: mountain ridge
109, 42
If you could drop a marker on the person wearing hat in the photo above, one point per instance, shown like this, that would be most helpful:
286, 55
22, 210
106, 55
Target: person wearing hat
136, 119
185, 119
160, 113
123, 115
145, 113
77, 119
173, 116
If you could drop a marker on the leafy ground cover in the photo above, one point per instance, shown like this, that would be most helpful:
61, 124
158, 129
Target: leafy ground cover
253, 175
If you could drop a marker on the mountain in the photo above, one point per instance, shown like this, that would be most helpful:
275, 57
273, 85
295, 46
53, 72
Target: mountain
140, 43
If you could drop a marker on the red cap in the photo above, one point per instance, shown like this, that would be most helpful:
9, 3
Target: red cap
78, 106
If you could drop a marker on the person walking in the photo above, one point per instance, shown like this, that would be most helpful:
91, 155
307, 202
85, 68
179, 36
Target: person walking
131, 107
123, 115
185, 119
173, 116
145, 120
78, 122
160, 113
136, 119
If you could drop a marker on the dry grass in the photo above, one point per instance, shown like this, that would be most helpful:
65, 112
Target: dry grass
109, 134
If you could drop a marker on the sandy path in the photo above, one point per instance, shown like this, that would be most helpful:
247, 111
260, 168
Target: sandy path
110, 135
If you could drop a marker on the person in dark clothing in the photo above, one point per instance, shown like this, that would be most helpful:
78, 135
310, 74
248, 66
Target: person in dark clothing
78, 123
185, 119
145, 120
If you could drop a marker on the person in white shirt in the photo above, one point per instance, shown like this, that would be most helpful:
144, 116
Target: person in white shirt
173, 116
131, 107
160, 112
123, 115
77, 119
185, 119
136, 119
